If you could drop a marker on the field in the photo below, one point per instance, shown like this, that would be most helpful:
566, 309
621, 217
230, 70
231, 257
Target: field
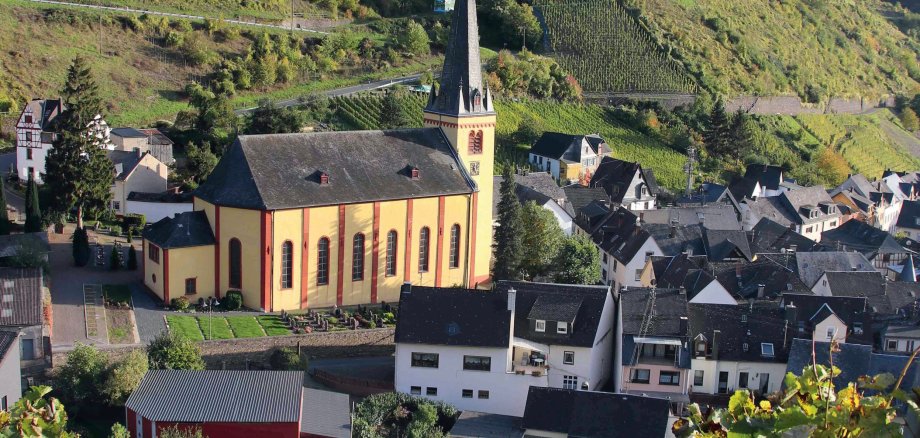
606, 49
363, 111
197, 328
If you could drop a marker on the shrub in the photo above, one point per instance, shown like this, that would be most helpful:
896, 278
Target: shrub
115, 259
172, 351
233, 300
81, 251
181, 304
174, 38
132, 259
287, 359
124, 376
399, 414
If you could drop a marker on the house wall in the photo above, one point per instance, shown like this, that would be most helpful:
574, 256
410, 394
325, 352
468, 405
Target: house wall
714, 293
507, 391
246, 226
813, 231
129, 143
10, 377
39, 149
912, 233
182, 268
602, 351
153, 271
154, 211
904, 345
565, 221
653, 385
571, 171
821, 287
149, 176
712, 368
625, 273
831, 322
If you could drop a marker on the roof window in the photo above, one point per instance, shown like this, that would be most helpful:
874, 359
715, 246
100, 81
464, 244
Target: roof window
766, 349
323, 178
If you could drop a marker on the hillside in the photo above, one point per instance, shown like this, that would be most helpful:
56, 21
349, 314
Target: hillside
815, 49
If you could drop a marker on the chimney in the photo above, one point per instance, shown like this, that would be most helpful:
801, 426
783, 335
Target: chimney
715, 344
791, 312
684, 326
760, 288
512, 298
406, 288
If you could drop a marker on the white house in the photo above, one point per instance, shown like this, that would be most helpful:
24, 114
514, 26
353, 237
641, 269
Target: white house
481, 351
10, 374
568, 158
135, 171
627, 184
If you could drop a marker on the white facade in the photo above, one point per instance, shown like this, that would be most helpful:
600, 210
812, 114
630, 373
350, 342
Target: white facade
31, 146
899, 344
813, 231
637, 196
629, 274
562, 217
830, 329
545, 164
706, 375
10, 377
714, 293
148, 176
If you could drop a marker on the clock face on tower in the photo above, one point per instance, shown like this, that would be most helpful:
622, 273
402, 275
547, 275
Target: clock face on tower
474, 168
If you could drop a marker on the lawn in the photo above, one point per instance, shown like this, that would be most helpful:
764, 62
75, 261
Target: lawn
186, 326
227, 327
118, 293
121, 328
220, 329
245, 327
273, 325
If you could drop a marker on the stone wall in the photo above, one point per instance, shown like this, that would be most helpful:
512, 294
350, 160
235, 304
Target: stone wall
255, 352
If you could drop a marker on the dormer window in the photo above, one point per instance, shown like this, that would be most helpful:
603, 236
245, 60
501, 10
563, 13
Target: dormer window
857, 328
414, 172
562, 328
323, 178
766, 350
700, 348
540, 326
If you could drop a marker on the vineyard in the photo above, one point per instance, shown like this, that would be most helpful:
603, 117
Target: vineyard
606, 49
362, 112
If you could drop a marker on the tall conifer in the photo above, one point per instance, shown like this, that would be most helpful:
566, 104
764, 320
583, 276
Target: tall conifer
4, 215
33, 212
509, 234
717, 134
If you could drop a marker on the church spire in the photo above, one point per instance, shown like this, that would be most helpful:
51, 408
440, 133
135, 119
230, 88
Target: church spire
462, 90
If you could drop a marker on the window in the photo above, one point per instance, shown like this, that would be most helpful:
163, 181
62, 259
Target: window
455, 246
605, 257
669, 378
831, 331
467, 393
474, 168
477, 363
745, 347
615, 265
638, 274
425, 360
483, 394
640, 375
4, 403
423, 237
698, 378
153, 253
431, 391
236, 264
416, 390
766, 350
323, 178
31, 172
287, 265
568, 357
191, 286
414, 174
808, 230
701, 347
391, 254
857, 328
562, 327
722, 385
744, 317
28, 153
742, 380
832, 224
116, 205
604, 274
892, 345
475, 142
28, 118
322, 261
28, 136
357, 258
540, 326
569, 382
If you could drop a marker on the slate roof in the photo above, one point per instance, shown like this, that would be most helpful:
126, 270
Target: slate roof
714, 216
278, 171
769, 177
155, 137
884, 297
8, 340
128, 133
190, 228
580, 196
124, 162
857, 183
615, 176
862, 237
722, 244
533, 186
618, 235
669, 307
903, 331
751, 324
453, 316
677, 240
798, 202
567, 147
219, 396
21, 290
708, 193
557, 302
10, 244
326, 414
854, 360
681, 271
743, 280
812, 309
811, 265
742, 188
595, 414
909, 217
771, 236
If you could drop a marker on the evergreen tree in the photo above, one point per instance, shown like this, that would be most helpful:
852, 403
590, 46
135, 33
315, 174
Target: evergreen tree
33, 212
4, 215
80, 248
115, 259
393, 112
716, 136
132, 258
509, 234
739, 135
269, 119
77, 170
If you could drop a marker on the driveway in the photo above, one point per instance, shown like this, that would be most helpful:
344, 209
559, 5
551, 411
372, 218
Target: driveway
148, 314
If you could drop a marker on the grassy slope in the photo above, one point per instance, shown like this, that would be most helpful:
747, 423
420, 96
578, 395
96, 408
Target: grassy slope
780, 47
270, 10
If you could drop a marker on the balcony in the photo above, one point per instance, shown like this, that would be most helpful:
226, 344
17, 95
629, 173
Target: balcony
529, 361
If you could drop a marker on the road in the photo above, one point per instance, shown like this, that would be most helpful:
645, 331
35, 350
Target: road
169, 14
383, 83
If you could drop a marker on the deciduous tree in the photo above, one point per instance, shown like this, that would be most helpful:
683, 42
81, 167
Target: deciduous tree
79, 380
124, 376
171, 351
541, 241
577, 262
393, 112
270, 119
909, 120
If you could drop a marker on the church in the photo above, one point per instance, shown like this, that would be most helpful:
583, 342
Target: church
344, 218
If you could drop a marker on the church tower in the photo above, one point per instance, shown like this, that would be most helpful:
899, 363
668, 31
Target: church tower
462, 108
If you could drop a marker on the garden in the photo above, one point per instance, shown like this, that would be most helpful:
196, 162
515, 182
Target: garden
117, 299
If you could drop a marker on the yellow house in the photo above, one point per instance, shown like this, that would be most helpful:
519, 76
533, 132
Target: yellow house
135, 171
344, 218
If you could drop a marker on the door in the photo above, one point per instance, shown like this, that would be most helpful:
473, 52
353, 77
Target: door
28, 349
764, 383
723, 382
742, 380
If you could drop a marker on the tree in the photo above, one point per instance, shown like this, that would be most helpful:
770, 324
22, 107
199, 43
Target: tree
181, 432
81, 252
413, 38
509, 234
287, 359
172, 351
739, 135
393, 112
270, 119
132, 258
541, 240
716, 137
35, 416
909, 120
77, 171
395, 414
79, 379
578, 262
115, 259
29, 255
200, 162
119, 431
5, 224
124, 376
33, 211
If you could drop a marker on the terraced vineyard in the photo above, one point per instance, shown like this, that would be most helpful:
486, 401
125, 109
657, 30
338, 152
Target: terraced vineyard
363, 111
606, 49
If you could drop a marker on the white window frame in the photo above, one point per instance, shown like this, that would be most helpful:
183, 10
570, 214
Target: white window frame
568, 357
562, 328
763, 349
569, 382
540, 326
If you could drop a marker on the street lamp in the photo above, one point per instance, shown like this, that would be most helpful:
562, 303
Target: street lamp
213, 302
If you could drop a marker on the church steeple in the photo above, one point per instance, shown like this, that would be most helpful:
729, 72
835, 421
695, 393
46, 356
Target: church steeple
462, 90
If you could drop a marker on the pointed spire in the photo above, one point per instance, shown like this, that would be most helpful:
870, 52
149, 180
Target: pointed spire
462, 90
907, 274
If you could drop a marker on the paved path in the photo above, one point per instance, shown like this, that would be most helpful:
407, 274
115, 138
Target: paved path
169, 14
94, 313
148, 314
383, 83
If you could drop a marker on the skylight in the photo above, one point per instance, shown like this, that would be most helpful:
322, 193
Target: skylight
766, 350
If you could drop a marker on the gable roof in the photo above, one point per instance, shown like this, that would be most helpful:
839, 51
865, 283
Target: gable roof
567, 147
909, 217
124, 162
815, 198
128, 133
752, 324
225, 396
708, 193
7, 342
185, 229
580, 196
10, 244
558, 302
862, 237
595, 414
278, 171
773, 208
857, 183
155, 137
714, 216
769, 177
884, 297
668, 306
812, 309
811, 265
538, 187
681, 271
722, 244
453, 316
21, 290
325, 413
677, 240
616, 175
771, 236
744, 279
619, 235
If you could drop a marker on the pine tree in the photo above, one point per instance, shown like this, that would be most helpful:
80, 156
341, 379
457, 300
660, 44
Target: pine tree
115, 259
81, 250
509, 234
77, 171
132, 258
4, 215
739, 135
716, 136
33, 212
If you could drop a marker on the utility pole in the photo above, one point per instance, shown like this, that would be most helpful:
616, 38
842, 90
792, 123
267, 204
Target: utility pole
691, 157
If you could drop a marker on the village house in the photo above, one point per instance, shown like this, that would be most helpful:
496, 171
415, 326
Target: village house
144, 140
553, 412
135, 171
568, 158
874, 200
809, 211
687, 273
328, 219
810, 266
627, 184
876, 245
825, 318
25, 302
709, 193
769, 236
759, 181
765, 278
481, 351
10, 373
540, 188
908, 223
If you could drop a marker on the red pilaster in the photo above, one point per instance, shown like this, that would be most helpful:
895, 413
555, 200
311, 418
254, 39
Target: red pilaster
472, 243
216, 251
165, 276
439, 255
340, 271
266, 260
304, 259
408, 239
375, 256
